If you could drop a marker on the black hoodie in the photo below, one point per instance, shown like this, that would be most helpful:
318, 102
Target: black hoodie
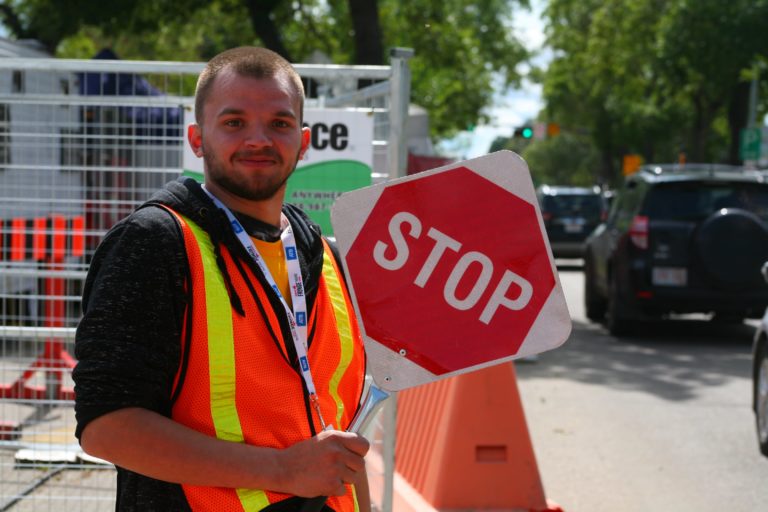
128, 343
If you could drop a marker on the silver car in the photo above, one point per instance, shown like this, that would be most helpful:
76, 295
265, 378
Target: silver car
760, 378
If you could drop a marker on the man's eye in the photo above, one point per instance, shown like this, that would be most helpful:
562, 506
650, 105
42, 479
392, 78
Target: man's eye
233, 123
282, 124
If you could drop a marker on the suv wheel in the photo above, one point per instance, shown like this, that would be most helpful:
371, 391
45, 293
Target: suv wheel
732, 246
761, 396
617, 317
594, 304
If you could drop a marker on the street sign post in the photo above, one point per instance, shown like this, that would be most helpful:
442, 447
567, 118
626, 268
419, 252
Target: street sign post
450, 271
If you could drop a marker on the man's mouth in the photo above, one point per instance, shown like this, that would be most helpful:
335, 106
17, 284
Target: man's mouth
252, 158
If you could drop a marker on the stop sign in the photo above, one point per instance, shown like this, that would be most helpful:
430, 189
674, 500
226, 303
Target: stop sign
450, 270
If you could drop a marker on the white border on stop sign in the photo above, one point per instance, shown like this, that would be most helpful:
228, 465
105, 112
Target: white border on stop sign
506, 169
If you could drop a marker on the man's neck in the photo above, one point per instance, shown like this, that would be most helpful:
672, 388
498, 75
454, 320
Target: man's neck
267, 211
258, 229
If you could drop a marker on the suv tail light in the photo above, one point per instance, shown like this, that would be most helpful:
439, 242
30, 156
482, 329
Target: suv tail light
638, 233
547, 216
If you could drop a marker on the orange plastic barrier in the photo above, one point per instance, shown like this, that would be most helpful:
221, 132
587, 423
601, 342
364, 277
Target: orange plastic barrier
463, 443
50, 238
46, 240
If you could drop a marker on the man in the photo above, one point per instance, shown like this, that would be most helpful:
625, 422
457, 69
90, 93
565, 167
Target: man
218, 350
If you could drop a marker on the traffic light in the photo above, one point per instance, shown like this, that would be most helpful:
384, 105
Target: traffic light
525, 132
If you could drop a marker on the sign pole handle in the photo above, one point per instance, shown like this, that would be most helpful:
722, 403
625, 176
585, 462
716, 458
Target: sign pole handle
372, 402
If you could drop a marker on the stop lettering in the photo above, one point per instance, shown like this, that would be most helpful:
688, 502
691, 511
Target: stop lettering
450, 280
443, 242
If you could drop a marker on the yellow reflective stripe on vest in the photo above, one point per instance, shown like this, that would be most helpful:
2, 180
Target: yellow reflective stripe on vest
354, 499
221, 359
345, 332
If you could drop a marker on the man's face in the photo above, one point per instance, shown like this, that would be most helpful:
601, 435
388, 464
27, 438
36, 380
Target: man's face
251, 137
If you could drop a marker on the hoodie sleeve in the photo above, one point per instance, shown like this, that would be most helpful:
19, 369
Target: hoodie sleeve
128, 343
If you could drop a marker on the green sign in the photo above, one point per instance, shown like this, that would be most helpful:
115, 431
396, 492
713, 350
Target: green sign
749, 143
315, 187
197, 176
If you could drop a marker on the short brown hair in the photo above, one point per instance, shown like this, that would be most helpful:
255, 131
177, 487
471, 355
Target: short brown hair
247, 61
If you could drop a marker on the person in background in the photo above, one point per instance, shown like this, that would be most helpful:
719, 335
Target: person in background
219, 358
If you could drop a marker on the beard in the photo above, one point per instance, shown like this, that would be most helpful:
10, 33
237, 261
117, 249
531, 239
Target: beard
248, 186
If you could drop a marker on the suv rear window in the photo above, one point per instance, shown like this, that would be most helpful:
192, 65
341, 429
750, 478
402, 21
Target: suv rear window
696, 200
573, 204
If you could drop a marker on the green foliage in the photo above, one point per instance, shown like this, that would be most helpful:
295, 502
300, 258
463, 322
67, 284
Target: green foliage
563, 160
199, 35
704, 51
82, 45
569, 158
460, 45
603, 78
652, 77
51, 21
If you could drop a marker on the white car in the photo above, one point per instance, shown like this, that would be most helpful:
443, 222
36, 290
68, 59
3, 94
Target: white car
760, 377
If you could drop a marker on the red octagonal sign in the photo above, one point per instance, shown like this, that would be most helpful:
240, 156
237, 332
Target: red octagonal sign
449, 270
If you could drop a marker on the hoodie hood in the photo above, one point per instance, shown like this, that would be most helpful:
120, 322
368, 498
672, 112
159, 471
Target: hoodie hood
185, 196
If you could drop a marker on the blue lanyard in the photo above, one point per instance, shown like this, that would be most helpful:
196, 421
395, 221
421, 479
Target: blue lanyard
297, 316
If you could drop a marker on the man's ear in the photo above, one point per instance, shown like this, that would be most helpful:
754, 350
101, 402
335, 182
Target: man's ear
195, 138
306, 137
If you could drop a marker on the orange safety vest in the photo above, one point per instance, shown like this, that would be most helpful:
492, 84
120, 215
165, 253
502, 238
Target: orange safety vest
239, 385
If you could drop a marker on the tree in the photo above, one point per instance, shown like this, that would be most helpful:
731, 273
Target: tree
604, 80
260, 12
460, 45
51, 21
563, 160
705, 50
566, 159
369, 42
652, 76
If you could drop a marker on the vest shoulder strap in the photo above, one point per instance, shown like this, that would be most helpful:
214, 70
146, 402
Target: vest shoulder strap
337, 256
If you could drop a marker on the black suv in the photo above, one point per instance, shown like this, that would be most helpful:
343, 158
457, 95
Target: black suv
570, 214
680, 239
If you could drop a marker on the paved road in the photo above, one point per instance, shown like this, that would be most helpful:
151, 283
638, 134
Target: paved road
660, 421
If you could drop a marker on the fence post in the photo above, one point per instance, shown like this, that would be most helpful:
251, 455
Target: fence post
400, 97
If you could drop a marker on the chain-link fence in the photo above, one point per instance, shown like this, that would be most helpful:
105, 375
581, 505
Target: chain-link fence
82, 143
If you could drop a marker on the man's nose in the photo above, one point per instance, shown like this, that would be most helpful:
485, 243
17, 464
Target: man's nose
257, 136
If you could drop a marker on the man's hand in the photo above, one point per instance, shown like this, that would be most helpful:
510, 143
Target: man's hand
153, 445
322, 465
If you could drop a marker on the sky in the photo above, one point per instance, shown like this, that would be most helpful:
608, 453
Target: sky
515, 107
